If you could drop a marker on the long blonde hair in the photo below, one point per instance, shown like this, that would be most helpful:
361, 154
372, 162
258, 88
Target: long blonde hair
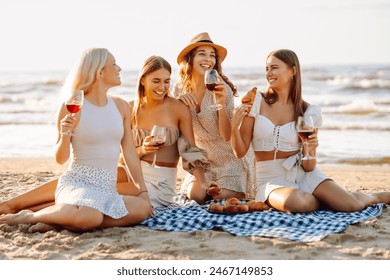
185, 72
85, 73
151, 64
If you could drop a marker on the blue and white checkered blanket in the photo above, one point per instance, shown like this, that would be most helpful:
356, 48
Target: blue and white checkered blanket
307, 227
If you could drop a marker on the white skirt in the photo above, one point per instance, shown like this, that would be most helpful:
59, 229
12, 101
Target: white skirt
280, 173
93, 187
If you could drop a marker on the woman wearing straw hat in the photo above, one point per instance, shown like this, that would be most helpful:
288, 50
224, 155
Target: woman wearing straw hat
212, 130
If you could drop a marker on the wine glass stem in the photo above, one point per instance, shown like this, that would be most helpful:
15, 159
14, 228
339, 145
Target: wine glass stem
307, 149
154, 159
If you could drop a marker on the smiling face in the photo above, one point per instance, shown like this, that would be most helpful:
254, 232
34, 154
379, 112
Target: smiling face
110, 73
278, 74
204, 59
156, 84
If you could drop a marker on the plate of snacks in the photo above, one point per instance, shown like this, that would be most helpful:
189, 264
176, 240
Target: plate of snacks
233, 206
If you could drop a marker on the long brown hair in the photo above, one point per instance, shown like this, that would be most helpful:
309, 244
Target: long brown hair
185, 72
151, 64
295, 93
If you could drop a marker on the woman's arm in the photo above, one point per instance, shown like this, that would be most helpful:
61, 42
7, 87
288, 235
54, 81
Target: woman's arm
224, 97
129, 152
186, 130
65, 123
242, 131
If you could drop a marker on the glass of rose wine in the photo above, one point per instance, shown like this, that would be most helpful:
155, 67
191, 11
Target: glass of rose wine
211, 80
159, 136
74, 102
305, 127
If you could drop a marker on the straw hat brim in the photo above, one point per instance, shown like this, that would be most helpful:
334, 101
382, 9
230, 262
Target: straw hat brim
222, 52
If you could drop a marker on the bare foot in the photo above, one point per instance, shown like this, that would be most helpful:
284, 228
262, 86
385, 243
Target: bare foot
41, 227
5, 208
22, 217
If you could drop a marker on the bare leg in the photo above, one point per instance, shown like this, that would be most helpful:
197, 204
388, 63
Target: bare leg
196, 192
293, 200
75, 218
338, 199
225, 193
43, 195
127, 189
138, 212
40, 195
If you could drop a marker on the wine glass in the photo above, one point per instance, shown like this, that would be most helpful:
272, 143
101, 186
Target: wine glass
73, 103
159, 136
305, 127
211, 80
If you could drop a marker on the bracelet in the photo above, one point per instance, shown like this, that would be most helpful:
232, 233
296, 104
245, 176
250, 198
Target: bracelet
142, 192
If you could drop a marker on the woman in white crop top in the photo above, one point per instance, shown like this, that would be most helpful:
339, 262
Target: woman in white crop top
282, 180
86, 197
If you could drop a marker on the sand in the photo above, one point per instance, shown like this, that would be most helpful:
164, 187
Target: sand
367, 240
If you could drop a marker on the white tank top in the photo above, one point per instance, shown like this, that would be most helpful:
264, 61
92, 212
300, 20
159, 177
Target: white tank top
97, 137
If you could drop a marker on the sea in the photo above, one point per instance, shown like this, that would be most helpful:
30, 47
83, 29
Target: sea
355, 101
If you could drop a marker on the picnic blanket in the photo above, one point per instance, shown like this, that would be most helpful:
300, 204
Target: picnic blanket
304, 227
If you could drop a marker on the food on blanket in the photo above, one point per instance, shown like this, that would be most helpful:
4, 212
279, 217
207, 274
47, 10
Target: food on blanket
213, 190
216, 207
232, 201
230, 209
257, 205
249, 97
242, 208
234, 205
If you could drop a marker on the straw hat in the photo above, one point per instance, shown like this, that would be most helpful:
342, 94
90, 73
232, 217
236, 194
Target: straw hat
201, 39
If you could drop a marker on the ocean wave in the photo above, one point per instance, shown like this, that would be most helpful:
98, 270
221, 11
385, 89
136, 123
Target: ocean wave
357, 127
352, 83
27, 122
356, 107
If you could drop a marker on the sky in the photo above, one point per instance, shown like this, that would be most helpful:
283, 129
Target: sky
45, 35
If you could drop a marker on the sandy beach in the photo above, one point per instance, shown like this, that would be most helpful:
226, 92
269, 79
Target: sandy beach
367, 240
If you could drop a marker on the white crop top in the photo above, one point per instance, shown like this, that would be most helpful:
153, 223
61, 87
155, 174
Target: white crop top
270, 137
97, 137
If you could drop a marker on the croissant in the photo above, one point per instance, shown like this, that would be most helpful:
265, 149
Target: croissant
232, 201
249, 97
216, 207
257, 205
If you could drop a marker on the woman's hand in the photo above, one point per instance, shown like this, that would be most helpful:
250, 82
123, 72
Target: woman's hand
220, 92
67, 125
189, 99
148, 147
213, 190
312, 143
239, 114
